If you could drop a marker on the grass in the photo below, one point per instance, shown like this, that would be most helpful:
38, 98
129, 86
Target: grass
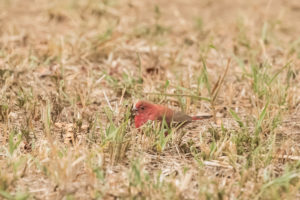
70, 72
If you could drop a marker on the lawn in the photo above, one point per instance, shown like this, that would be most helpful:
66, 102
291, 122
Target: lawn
71, 70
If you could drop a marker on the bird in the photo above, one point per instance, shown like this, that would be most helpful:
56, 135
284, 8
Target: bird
145, 111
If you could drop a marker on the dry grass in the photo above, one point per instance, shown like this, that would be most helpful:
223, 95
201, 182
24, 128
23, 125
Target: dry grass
70, 71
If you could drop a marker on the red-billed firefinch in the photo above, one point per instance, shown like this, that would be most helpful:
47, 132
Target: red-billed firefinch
145, 111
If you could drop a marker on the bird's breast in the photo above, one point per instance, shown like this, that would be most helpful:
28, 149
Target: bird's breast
142, 118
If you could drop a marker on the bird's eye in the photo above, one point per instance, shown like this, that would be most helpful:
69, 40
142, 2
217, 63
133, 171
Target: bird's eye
142, 108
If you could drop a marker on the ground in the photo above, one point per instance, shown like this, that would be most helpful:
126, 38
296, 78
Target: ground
71, 70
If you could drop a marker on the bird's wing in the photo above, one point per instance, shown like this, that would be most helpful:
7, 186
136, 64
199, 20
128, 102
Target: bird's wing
181, 117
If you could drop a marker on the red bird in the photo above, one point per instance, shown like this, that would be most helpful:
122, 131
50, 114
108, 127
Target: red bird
145, 111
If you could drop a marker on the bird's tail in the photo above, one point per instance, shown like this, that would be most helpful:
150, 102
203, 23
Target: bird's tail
201, 117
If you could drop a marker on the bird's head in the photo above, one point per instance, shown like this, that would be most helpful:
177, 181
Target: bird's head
143, 107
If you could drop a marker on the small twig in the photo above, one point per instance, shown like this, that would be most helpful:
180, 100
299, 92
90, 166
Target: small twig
107, 100
216, 92
216, 89
100, 79
289, 157
216, 164
123, 93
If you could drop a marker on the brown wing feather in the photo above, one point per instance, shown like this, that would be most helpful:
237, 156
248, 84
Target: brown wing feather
181, 117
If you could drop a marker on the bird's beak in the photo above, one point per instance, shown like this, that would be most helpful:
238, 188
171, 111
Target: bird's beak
134, 109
